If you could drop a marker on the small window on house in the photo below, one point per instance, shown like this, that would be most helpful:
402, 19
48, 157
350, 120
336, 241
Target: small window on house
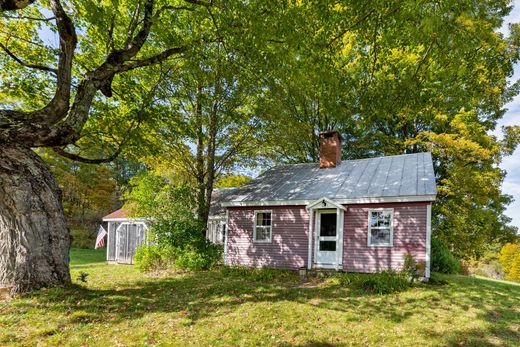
380, 227
263, 229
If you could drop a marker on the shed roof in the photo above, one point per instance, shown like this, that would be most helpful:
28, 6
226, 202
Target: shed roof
116, 214
401, 176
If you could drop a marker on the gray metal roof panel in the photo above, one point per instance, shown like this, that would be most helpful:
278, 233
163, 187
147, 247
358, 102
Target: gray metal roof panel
392, 176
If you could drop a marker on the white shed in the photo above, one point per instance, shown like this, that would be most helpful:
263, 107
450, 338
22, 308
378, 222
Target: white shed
125, 234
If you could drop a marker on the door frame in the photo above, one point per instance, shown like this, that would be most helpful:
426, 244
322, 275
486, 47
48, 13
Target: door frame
117, 244
315, 209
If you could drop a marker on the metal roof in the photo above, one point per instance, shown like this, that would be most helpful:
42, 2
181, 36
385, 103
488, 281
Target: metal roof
407, 175
218, 196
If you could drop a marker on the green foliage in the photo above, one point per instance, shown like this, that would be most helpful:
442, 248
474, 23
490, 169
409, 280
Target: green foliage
259, 80
196, 259
509, 258
412, 269
231, 181
507, 255
514, 272
394, 86
437, 279
259, 274
442, 259
149, 258
171, 207
82, 277
384, 282
81, 237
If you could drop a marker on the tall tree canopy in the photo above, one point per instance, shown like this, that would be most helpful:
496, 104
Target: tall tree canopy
400, 77
215, 83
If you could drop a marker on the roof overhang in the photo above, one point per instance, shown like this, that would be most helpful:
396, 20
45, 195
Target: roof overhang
373, 200
324, 203
125, 219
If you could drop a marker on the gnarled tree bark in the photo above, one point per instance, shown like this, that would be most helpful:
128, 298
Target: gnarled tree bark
34, 240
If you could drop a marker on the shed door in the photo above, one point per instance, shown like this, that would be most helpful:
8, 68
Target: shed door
122, 243
129, 237
327, 247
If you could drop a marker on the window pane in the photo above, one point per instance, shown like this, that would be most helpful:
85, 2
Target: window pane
263, 219
384, 219
380, 237
374, 218
328, 224
380, 219
328, 246
262, 233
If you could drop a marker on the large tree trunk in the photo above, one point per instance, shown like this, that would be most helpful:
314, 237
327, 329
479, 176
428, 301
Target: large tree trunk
34, 240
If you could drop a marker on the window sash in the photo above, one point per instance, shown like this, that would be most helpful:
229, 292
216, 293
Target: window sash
262, 227
383, 215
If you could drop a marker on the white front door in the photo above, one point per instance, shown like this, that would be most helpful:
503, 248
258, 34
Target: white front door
327, 240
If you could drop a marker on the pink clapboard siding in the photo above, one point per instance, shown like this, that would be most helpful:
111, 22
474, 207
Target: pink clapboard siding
409, 237
289, 245
289, 242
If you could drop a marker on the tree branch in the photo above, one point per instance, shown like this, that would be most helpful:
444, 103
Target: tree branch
134, 64
61, 151
29, 65
58, 107
350, 27
29, 18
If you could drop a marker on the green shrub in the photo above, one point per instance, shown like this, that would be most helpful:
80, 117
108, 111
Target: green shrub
154, 257
412, 269
162, 257
384, 282
259, 274
348, 278
191, 260
437, 279
442, 260
204, 257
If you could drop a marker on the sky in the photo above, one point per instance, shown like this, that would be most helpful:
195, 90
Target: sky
511, 163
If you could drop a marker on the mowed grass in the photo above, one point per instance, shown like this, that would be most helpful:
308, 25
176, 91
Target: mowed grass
118, 306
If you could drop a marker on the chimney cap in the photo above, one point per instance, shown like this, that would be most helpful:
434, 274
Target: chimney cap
330, 132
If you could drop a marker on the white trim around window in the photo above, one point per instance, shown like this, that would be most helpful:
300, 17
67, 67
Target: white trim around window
264, 227
370, 227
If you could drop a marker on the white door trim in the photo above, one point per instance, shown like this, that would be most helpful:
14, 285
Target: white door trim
337, 263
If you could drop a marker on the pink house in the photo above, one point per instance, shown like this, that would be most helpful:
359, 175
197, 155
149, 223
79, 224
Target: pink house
356, 215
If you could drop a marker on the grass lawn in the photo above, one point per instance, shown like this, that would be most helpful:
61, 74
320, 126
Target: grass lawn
118, 306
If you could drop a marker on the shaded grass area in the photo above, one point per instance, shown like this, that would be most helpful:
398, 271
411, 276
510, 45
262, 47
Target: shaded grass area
120, 306
82, 256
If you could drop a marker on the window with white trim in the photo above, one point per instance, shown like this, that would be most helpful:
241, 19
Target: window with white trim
380, 227
263, 227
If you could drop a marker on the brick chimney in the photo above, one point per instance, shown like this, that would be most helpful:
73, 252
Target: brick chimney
330, 149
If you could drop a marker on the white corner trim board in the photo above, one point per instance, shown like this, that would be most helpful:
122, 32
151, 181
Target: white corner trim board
226, 238
428, 240
309, 252
387, 199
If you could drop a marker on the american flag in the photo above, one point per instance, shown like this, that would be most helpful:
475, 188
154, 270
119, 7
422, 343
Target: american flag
100, 240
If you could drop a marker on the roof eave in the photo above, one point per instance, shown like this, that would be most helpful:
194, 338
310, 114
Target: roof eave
367, 200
